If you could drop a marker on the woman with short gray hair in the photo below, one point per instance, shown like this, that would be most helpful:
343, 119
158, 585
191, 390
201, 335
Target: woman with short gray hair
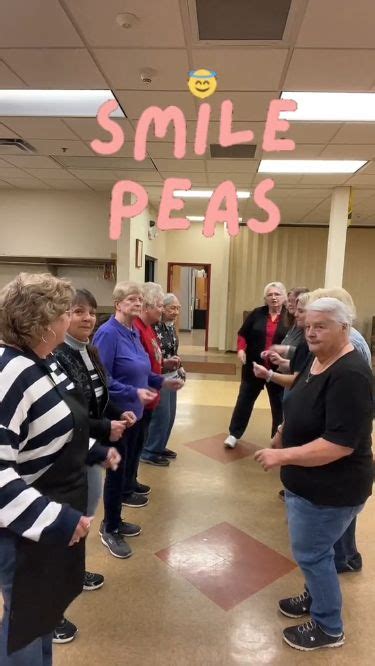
324, 450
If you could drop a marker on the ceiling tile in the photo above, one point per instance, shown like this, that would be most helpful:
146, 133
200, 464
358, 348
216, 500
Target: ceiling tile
243, 69
356, 133
329, 179
39, 128
139, 176
5, 186
9, 80
279, 179
95, 174
46, 174
302, 151
123, 68
135, 102
321, 133
6, 133
11, 172
35, 23
331, 69
248, 106
241, 179
165, 149
368, 168
189, 166
55, 68
33, 162
337, 151
197, 179
225, 166
28, 183
338, 25
362, 180
60, 147
88, 129
72, 184
159, 23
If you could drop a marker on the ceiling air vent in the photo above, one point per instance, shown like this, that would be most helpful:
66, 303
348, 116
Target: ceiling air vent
15, 147
239, 151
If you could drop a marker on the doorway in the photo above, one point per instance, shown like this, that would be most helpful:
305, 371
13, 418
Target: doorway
150, 265
191, 284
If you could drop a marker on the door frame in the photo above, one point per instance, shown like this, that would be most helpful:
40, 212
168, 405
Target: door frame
207, 268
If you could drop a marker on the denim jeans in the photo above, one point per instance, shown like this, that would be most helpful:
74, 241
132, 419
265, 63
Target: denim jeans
161, 424
37, 653
346, 547
314, 529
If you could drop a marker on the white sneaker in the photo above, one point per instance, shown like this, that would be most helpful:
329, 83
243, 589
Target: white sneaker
230, 442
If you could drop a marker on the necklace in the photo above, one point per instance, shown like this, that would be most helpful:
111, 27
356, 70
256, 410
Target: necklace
324, 366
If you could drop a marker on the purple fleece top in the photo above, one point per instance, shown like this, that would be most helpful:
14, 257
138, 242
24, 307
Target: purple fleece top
127, 364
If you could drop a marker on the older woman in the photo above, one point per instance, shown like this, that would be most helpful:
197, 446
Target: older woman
132, 385
162, 418
263, 327
44, 437
324, 451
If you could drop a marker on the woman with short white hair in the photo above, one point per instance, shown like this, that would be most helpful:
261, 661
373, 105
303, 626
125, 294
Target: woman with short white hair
324, 450
264, 327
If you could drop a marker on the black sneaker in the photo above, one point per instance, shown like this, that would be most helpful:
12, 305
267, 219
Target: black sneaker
135, 501
157, 461
92, 581
124, 529
142, 489
116, 545
65, 632
352, 566
296, 606
168, 453
310, 636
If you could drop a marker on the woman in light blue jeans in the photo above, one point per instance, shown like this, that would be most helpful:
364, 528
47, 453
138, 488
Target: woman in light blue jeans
324, 450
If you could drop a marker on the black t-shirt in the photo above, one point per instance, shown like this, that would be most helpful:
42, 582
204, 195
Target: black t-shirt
335, 405
300, 357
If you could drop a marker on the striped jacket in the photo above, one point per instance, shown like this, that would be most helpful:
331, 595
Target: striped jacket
35, 424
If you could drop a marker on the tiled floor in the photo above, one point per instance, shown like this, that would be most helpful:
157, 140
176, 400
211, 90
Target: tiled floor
212, 561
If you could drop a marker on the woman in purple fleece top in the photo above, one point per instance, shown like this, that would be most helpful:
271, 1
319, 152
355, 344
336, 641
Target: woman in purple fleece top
131, 385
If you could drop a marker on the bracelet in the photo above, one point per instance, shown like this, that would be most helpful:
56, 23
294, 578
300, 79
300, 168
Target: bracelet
270, 375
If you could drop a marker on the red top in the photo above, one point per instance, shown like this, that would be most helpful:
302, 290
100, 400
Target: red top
150, 343
271, 328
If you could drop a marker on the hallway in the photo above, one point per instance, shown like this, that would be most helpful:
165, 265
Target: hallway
202, 586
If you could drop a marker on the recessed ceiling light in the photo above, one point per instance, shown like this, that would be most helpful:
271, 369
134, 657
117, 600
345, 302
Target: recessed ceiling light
55, 103
329, 106
310, 166
205, 194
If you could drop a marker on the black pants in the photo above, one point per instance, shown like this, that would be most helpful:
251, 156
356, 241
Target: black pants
249, 390
121, 483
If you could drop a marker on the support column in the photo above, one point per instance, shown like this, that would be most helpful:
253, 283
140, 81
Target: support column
338, 224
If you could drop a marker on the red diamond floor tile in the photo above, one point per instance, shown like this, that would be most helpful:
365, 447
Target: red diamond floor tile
226, 564
213, 447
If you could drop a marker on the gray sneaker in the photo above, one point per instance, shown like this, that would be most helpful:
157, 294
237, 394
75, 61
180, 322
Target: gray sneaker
116, 545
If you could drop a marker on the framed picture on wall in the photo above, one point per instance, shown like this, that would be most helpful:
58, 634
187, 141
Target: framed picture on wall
138, 253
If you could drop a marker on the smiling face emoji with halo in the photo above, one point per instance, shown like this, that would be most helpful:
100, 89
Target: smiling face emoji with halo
202, 82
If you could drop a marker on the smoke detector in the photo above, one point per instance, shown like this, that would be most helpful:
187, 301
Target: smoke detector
127, 20
147, 75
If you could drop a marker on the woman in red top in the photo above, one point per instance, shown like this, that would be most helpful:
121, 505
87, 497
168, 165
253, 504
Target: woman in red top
265, 326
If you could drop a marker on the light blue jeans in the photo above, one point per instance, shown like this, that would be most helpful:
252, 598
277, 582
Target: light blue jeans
161, 424
37, 653
314, 529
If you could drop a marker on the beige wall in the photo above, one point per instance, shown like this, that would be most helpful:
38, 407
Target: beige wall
191, 246
296, 257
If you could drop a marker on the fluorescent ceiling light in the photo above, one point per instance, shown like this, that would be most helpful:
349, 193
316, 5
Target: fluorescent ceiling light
56, 103
310, 166
205, 194
201, 218
317, 106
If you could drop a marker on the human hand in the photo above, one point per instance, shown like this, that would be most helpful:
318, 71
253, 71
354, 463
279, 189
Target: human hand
129, 418
172, 384
146, 395
117, 430
112, 460
172, 363
82, 529
279, 349
241, 355
277, 440
269, 458
260, 371
276, 358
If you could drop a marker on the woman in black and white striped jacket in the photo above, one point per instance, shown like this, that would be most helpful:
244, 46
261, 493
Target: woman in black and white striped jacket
44, 446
